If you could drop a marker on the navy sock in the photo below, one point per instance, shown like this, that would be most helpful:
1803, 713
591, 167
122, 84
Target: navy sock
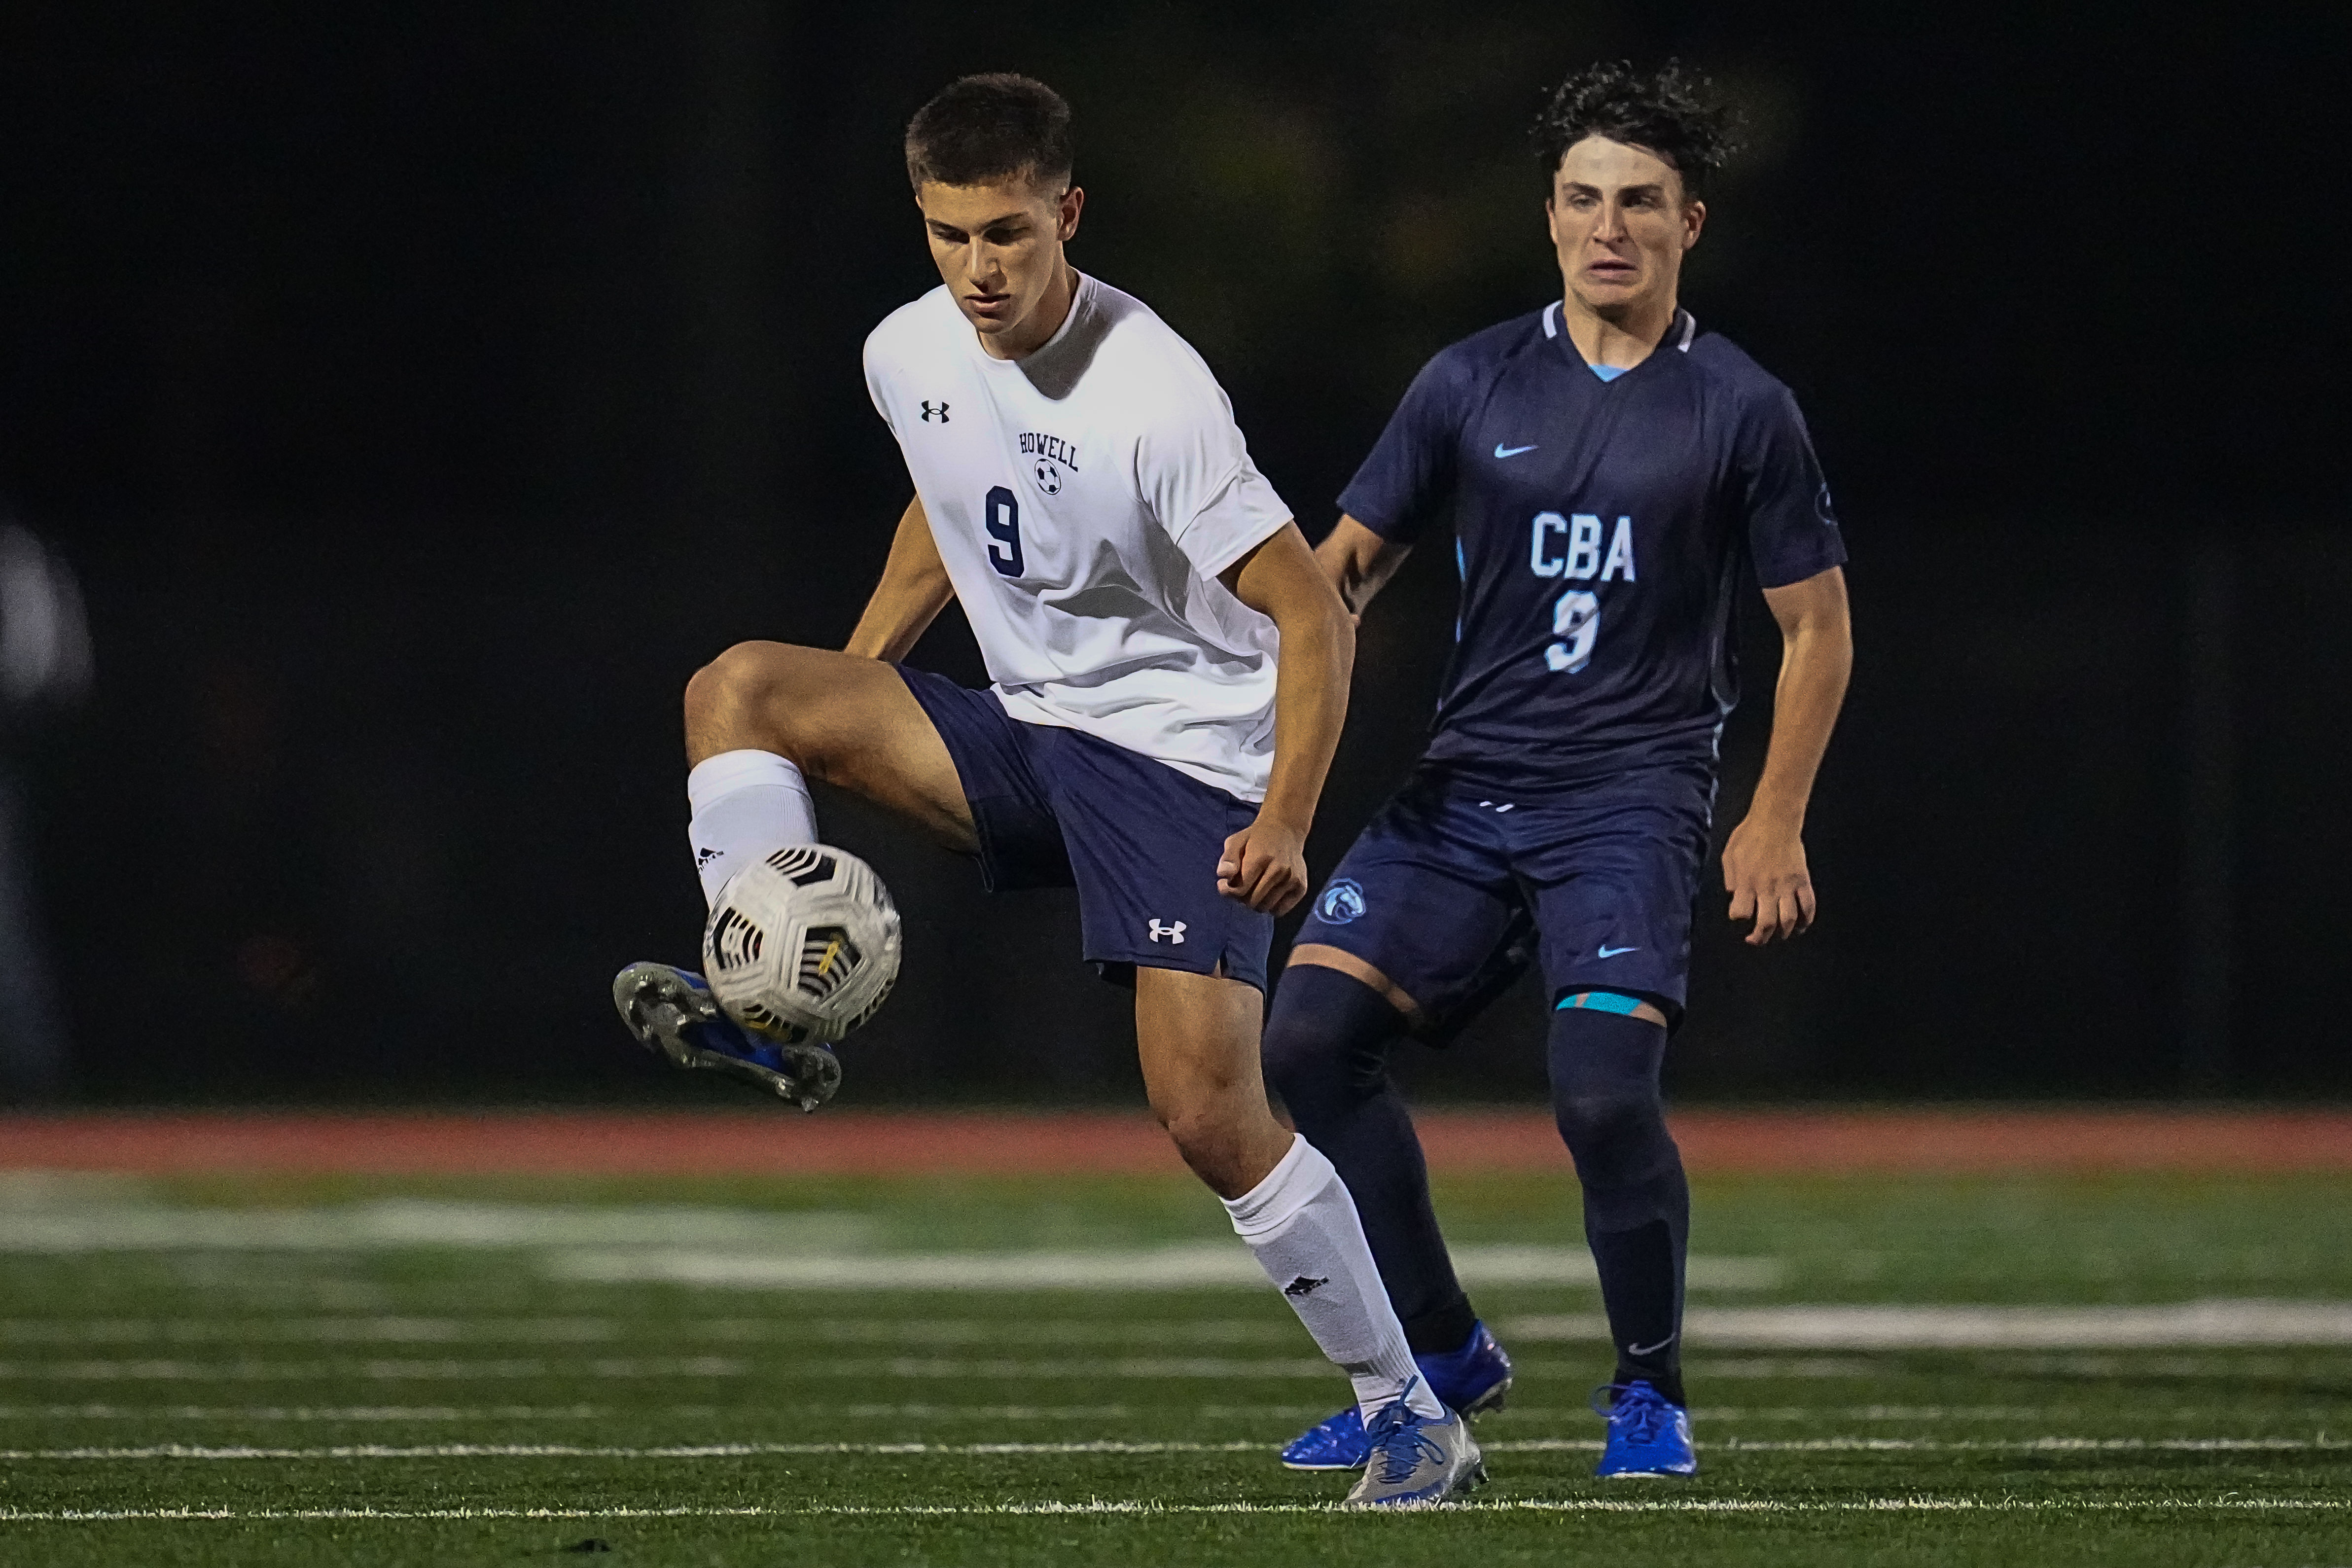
1327, 1051
1604, 1077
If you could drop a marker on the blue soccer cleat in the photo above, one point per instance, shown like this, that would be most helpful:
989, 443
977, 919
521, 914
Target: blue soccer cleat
1647, 1437
1416, 1461
1472, 1380
673, 1015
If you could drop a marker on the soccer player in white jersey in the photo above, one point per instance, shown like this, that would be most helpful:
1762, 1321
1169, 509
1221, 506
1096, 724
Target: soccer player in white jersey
1169, 672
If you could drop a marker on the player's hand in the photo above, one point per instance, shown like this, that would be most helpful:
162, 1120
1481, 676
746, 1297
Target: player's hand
1265, 866
1764, 871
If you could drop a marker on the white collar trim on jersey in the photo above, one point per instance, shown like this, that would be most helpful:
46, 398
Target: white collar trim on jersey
1682, 344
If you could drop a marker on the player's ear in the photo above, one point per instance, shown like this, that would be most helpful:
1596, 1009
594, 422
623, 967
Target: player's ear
1694, 219
1073, 203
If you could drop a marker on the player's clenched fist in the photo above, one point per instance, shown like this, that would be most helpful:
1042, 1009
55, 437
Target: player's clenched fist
1764, 871
1265, 866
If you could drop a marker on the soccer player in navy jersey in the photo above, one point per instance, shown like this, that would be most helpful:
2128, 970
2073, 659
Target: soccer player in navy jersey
1609, 469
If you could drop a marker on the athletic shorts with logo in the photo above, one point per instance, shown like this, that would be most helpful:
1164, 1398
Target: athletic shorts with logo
1060, 808
1455, 886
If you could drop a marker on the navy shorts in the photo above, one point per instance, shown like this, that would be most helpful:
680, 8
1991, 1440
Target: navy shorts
1061, 808
1455, 886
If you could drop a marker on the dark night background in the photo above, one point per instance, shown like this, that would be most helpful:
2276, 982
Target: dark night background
422, 391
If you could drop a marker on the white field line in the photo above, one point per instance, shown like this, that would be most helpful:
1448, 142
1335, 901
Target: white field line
423, 1413
1847, 1369
51, 1225
1713, 1417
311, 1331
858, 1369
2230, 1503
1279, 1328
1862, 1369
1225, 1369
438, 1413
589, 1452
303, 1412
2219, 1324
1178, 1265
1850, 1328
392, 1371
949, 1450
711, 1245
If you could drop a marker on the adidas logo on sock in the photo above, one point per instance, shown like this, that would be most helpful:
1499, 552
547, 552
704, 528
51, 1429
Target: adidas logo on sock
705, 857
1303, 1286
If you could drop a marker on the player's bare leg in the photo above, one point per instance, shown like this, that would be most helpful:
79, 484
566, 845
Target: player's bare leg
759, 718
846, 720
1198, 1038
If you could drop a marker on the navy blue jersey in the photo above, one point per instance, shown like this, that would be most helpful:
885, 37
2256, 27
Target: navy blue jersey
1599, 527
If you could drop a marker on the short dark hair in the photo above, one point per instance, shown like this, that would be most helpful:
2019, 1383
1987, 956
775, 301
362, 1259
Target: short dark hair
981, 130
1673, 112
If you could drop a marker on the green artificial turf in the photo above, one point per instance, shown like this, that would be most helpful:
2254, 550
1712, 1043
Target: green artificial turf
145, 1370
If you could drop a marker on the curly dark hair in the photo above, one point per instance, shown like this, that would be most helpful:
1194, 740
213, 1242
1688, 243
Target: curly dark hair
1673, 112
980, 130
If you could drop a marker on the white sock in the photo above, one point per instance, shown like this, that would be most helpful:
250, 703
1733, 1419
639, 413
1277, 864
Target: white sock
747, 805
1304, 1227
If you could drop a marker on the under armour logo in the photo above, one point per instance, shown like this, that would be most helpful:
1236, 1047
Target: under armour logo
941, 410
1304, 1285
705, 857
1174, 934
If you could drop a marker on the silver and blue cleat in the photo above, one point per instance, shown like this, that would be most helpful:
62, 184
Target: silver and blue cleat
1416, 1461
1647, 1437
1472, 1380
673, 1015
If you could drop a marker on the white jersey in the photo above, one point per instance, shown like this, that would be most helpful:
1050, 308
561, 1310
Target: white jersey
1083, 499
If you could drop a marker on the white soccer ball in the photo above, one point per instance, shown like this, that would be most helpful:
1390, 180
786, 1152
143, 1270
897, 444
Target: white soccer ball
802, 946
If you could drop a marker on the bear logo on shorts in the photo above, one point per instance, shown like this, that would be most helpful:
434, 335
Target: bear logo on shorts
1342, 902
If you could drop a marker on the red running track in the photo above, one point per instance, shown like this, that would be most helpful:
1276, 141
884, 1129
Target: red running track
855, 1142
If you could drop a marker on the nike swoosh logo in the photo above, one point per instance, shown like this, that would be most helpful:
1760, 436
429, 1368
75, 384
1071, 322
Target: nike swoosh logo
1650, 1349
1608, 951
1502, 451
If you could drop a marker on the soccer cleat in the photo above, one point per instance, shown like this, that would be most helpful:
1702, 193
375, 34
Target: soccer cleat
673, 1015
1647, 1437
1472, 1380
1416, 1461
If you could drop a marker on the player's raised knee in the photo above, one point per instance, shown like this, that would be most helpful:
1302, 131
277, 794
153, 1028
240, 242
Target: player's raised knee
722, 685
743, 699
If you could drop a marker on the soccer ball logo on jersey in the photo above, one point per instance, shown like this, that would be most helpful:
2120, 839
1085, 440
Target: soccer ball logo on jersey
1342, 902
1048, 455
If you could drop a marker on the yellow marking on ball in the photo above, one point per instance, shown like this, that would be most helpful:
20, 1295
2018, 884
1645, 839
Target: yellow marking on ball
824, 964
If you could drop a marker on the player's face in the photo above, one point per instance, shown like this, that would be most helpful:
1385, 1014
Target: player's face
1621, 225
999, 248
